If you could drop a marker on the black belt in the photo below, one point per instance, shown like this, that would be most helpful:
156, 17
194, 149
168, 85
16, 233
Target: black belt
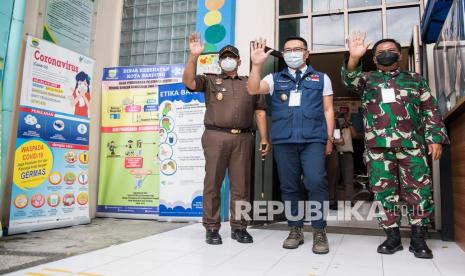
230, 130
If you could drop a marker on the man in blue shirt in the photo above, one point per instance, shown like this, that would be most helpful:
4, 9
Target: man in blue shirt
301, 134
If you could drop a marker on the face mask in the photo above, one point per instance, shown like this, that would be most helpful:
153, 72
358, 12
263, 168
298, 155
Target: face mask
228, 64
82, 88
294, 59
387, 58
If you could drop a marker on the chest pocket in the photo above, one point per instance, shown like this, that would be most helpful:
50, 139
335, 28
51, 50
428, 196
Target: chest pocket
410, 95
314, 85
284, 85
372, 94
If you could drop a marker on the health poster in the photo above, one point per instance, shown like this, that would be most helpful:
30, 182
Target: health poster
182, 162
69, 24
129, 182
56, 78
208, 64
50, 179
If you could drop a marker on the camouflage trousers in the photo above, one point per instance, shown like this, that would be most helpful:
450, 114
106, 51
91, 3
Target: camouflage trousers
400, 173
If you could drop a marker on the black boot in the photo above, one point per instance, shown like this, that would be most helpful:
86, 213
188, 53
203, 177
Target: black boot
241, 235
418, 244
213, 237
393, 242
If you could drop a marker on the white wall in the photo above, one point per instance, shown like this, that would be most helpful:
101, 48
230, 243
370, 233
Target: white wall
253, 19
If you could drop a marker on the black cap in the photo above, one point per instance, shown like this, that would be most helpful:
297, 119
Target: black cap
229, 48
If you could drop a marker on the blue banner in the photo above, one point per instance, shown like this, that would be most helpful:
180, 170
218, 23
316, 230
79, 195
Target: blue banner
181, 157
143, 73
51, 126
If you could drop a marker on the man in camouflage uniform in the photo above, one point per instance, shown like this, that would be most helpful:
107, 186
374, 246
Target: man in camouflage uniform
402, 123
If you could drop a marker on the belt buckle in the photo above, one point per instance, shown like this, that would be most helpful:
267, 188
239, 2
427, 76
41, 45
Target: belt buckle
235, 131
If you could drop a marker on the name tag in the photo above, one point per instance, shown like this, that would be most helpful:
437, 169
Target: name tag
337, 133
295, 97
388, 94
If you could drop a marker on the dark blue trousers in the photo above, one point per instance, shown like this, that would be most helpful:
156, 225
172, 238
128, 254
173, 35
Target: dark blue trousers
308, 159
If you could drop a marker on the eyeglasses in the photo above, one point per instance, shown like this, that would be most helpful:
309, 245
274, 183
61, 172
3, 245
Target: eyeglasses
294, 50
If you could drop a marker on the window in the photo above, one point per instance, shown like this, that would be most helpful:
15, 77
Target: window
327, 23
293, 7
370, 22
156, 31
449, 55
401, 30
363, 3
328, 32
392, 2
292, 27
327, 5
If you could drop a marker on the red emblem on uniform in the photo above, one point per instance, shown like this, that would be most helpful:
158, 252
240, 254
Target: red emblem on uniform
315, 78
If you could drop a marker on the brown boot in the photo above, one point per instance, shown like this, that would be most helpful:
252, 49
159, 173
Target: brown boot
320, 241
295, 238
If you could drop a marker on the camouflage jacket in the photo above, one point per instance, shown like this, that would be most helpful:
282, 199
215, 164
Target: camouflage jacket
412, 121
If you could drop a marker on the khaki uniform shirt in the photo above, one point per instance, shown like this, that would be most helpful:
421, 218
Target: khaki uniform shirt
229, 105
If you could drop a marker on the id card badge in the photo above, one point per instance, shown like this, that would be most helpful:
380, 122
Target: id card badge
295, 97
337, 133
388, 94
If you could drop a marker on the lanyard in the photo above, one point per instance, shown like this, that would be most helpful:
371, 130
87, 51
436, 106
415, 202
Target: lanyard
386, 82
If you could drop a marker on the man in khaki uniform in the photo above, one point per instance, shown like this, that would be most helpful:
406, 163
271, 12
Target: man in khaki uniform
229, 137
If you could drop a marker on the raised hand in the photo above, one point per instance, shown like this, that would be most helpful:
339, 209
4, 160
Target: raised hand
195, 45
258, 54
357, 45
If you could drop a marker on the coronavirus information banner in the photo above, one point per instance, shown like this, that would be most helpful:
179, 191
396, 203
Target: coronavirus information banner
50, 179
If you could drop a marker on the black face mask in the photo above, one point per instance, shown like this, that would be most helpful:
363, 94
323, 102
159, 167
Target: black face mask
387, 58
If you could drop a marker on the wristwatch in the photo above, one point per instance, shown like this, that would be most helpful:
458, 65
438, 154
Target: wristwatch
331, 139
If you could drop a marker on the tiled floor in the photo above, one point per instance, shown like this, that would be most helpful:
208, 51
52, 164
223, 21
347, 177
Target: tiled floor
184, 252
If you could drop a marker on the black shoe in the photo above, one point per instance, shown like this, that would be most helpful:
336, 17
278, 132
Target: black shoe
241, 235
418, 245
393, 242
213, 237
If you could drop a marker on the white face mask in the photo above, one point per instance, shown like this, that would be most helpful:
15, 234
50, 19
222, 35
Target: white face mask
82, 88
228, 64
294, 59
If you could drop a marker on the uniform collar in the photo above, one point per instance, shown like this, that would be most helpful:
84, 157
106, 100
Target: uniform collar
392, 74
307, 70
224, 76
292, 71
